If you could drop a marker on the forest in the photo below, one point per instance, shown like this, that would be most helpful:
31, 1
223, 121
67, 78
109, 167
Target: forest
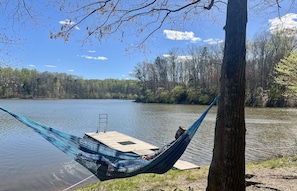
172, 78
31, 84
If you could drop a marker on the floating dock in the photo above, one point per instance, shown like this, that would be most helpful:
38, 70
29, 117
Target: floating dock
126, 143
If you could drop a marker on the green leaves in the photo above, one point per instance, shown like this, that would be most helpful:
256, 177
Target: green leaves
286, 73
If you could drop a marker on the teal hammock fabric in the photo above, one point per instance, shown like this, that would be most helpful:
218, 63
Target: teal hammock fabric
107, 163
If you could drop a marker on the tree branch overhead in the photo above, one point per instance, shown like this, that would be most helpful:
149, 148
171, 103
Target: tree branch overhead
105, 18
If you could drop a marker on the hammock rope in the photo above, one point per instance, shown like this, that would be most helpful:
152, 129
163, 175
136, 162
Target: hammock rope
107, 163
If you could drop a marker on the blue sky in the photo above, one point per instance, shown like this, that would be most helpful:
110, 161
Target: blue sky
110, 59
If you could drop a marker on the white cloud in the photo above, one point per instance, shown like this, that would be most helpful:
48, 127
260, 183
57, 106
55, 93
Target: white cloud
179, 35
195, 39
50, 66
288, 21
92, 51
71, 70
94, 57
32, 65
179, 58
212, 41
68, 22
183, 58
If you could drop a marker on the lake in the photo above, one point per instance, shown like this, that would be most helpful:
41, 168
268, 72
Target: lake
28, 162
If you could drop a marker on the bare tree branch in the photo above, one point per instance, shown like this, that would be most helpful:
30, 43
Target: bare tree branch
111, 16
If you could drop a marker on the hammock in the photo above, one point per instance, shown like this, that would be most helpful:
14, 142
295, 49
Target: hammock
107, 163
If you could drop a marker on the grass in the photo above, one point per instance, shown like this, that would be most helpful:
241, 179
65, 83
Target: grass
168, 181
274, 163
177, 180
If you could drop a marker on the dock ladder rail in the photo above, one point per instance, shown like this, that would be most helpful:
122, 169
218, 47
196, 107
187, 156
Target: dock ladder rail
103, 122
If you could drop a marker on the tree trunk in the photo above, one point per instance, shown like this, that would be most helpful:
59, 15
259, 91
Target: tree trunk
227, 169
216, 167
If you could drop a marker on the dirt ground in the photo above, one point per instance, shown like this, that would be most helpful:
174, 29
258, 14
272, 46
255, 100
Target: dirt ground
278, 179
263, 179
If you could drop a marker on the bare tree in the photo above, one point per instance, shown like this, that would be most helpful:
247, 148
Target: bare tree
13, 15
117, 18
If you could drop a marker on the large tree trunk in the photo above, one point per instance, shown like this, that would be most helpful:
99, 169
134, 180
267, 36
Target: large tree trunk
216, 167
227, 170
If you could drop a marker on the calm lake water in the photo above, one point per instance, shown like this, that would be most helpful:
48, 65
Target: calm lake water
28, 162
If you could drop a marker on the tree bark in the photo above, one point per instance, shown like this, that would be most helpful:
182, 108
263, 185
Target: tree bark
216, 167
227, 169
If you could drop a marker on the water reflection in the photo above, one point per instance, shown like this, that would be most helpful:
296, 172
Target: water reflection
28, 162
270, 132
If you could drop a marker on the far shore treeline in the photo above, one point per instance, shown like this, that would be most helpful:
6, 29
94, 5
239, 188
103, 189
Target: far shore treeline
191, 79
